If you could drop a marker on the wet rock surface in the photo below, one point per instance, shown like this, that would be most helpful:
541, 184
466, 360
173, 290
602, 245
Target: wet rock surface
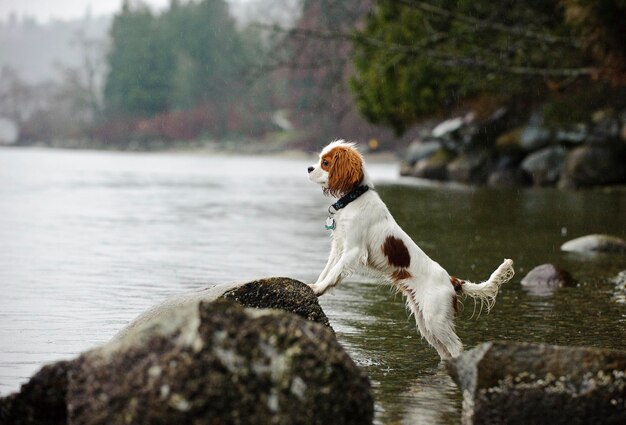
220, 363
276, 292
620, 287
41, 401
518, 383
546, 278
194, 360
281, 293
595, 243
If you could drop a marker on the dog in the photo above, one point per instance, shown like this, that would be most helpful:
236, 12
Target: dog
366, 238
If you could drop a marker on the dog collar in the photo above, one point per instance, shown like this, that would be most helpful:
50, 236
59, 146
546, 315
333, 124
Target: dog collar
342, 203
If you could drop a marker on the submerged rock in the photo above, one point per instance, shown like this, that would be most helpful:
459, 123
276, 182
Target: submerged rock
546, 278
595, 243
203, 362
518, 383
277, 292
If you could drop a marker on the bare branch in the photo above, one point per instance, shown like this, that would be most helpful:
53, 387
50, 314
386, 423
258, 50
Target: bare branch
484, 24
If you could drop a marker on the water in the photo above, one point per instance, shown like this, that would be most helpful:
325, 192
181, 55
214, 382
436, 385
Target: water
88, 240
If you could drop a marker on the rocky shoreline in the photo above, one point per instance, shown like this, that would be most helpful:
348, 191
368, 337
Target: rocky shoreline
499, 151
263, 352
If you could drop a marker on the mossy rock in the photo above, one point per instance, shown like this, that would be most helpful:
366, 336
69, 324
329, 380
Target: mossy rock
520, 383
202, 363
275, 292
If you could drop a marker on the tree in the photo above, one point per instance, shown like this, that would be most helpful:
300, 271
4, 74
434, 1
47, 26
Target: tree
415, 58
140, 65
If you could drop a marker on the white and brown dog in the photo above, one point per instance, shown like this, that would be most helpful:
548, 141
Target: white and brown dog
365, 237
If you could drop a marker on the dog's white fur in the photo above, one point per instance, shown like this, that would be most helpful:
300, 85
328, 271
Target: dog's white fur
368, 239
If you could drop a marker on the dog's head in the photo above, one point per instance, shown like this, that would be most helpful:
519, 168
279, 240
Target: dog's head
339, 170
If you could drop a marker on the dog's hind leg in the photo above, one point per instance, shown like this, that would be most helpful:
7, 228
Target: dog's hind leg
426, 329
439, 323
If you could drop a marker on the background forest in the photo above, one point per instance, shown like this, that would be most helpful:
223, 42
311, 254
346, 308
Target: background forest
296, 76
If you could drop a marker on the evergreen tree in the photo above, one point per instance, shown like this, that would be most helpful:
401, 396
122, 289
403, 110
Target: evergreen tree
140, 70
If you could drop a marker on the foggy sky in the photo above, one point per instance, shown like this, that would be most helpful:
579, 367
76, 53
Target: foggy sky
45, 10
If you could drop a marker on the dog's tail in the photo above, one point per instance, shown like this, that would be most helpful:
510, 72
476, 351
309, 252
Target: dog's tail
486, 291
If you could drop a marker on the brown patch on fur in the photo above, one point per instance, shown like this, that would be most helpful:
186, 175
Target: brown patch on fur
457, 283
396, 252
345, 170
455, 304
400, 274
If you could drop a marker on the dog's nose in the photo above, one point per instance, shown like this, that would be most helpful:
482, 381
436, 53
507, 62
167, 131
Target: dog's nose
311, 169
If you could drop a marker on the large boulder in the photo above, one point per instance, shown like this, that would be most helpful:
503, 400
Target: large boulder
595, 243
277, 292
546, 278
518, 383
192, 360
219, 363
205, 363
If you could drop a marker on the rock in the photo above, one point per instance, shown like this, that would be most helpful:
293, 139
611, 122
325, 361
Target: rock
546, 278
220, 363
446, 127
535, 136
606, 126
518, 383
620, 287
279, 292
595, 243
510, 141
420, 150
469, 168
434, 167
41, 401
573, 136
545, 165
511, 177
620, 280
484, 134
591, 165
211, 362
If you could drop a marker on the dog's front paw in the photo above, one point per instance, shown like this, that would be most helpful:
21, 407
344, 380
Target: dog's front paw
317, 288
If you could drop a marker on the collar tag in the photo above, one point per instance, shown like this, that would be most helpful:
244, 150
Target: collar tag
342, 203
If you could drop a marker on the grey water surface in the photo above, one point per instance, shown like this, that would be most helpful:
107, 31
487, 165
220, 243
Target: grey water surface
88, 240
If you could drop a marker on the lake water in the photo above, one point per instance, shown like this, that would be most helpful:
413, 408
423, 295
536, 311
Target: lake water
88, 240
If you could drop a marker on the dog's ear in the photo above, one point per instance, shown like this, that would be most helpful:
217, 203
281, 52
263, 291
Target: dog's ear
346, 171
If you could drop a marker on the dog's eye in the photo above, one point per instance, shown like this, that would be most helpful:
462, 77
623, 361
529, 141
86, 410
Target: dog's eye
325, 162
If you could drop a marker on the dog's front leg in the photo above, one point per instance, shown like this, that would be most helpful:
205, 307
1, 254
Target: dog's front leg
343, 267
333, 258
